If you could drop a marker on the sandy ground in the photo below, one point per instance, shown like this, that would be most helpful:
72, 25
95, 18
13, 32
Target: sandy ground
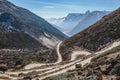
33, 65
86, 61
48, 68
77, 53
57, 72
12, 78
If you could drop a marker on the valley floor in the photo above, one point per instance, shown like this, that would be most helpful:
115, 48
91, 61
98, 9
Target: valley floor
42, 71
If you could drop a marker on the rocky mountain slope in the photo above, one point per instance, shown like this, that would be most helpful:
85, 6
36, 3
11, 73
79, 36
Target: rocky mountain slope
69, 23
18, 49
18, 40
23, 20
25, 38
89, 19
96, 36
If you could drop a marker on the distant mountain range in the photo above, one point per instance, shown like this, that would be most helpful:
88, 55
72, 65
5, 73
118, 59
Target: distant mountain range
96, 36
75, 22
17, 19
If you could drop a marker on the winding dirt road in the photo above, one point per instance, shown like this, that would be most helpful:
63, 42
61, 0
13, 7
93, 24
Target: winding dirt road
75, 54
58, 53
34, 65
58, 69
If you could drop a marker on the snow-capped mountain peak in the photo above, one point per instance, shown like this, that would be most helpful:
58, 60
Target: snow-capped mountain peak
68, 23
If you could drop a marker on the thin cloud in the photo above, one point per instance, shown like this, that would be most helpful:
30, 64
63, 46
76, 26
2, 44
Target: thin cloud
48, 7
58, 8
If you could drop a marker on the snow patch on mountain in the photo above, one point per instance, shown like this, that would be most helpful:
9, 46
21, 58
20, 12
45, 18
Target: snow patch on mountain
90, 19
49, 42
68, 23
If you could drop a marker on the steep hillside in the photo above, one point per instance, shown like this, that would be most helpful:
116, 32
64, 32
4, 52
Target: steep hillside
29, 23
96, 36
17, 59
18, 40
18, 49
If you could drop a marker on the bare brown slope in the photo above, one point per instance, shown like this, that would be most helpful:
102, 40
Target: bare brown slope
18, 49
96, 36
18, 40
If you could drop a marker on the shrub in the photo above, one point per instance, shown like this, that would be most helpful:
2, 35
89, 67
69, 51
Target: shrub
115, 49
116, 70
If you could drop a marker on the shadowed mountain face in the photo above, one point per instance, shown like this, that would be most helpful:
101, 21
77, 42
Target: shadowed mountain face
18, 49
9, 23
18, 40
96, 36
11, 36
23, 20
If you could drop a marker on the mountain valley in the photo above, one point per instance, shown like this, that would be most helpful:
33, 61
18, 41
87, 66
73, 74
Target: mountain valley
33, 49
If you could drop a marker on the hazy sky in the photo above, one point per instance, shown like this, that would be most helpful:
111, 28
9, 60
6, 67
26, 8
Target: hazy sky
60, 8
